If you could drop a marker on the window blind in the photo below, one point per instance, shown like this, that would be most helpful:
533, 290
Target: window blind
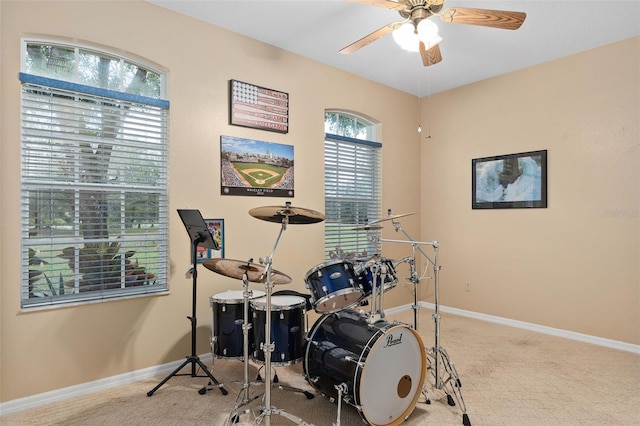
93, 193
352, 195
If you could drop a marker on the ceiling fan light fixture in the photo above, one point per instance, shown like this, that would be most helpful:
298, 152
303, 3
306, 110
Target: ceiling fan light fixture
405, 36
408, 36
428, 33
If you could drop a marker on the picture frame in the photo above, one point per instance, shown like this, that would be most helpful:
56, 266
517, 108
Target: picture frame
256, 168
258, 107
216, 226
509, 181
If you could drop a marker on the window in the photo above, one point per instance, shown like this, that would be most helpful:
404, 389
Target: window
93, 176
352, 186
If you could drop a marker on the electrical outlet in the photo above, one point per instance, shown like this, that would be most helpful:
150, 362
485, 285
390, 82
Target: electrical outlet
467, 287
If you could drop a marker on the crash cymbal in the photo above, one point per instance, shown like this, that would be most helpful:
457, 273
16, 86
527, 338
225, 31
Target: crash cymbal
237, 268
295, 215
367, 228
390, 217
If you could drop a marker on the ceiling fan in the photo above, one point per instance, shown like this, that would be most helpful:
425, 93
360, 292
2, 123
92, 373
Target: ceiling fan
416, 11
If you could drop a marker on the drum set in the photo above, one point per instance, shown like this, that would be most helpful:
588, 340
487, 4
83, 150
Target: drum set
348, 355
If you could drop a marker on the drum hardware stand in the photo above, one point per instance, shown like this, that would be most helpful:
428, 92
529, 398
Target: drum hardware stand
308, 394
342, 389
437, 356
268, 410
377, 307
200, 235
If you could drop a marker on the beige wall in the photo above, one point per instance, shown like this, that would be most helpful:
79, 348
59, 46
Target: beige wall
576, 264
577, 271
52, 349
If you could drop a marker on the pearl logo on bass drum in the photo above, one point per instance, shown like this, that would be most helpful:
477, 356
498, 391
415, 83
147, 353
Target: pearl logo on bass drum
392, 341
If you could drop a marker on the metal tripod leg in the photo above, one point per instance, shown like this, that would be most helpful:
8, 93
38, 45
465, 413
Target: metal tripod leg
275, 381
447, 379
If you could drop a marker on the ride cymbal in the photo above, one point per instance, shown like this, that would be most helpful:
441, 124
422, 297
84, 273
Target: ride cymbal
295, 215
237, 268
390, 217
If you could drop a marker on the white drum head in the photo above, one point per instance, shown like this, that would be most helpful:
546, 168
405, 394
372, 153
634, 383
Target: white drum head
278, 303
393, 375
234, 296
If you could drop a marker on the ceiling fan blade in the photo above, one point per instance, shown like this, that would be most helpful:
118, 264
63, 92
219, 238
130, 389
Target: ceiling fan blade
487, 18
431, 56
386, 4
379, 33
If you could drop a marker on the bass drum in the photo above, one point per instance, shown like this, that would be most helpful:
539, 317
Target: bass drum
383, 365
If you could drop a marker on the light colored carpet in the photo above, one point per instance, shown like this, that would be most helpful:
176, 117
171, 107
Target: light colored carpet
509, 376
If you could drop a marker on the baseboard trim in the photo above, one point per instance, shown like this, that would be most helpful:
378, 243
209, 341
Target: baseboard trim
155, 371
62, 394
586, 338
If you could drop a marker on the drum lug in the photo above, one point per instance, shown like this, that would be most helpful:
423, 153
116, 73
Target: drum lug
351, 359
383, 326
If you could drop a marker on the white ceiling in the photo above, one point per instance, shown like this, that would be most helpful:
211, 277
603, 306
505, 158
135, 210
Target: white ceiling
318, 29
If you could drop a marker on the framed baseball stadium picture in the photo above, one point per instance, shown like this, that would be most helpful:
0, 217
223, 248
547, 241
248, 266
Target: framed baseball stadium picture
509, 181
255, 168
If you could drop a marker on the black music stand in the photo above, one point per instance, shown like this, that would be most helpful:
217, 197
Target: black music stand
200, 236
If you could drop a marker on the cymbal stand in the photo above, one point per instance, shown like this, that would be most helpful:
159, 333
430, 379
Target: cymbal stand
447, 376
268, 410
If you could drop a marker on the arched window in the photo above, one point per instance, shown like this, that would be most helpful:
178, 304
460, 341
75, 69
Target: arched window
351, 185
93, 177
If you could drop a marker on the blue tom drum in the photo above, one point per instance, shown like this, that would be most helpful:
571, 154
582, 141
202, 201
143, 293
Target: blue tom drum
333, 286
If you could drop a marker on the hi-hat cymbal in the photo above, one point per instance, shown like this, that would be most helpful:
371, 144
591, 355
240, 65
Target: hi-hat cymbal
295, 215
390, 217
237, 268
367, 228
